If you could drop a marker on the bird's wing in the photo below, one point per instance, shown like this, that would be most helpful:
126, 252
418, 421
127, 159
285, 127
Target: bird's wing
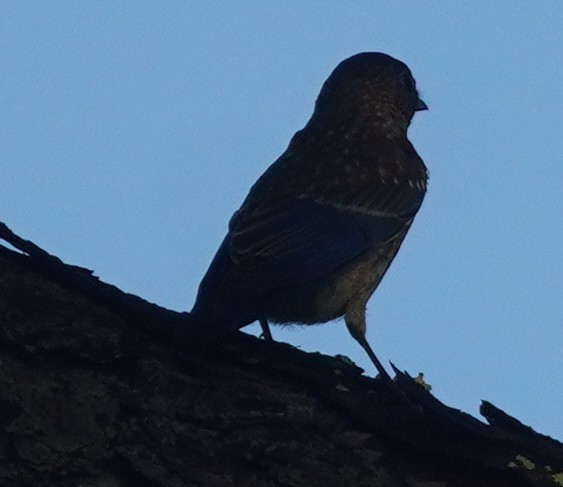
297, 241
294, 242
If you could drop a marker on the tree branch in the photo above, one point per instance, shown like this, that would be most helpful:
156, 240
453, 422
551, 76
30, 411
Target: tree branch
98, 387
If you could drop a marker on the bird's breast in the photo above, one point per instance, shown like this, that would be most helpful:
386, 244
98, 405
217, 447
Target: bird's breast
330, 298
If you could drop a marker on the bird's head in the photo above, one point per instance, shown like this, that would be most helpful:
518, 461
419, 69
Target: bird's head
371, 90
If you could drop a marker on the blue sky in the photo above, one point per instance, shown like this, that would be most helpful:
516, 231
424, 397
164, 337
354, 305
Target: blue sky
131, 131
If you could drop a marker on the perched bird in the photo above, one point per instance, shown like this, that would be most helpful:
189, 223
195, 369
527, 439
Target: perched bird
320, 227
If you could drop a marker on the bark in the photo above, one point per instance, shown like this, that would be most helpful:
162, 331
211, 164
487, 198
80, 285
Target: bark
101, 388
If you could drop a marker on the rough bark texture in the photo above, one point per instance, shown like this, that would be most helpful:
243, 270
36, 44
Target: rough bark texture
100, 388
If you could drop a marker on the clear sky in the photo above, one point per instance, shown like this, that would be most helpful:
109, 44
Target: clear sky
131, 131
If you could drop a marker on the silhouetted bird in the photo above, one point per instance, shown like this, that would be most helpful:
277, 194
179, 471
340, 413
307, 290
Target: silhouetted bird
320, 227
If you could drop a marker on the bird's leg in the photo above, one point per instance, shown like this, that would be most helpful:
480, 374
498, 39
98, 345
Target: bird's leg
356, 322
382, 372
266, 333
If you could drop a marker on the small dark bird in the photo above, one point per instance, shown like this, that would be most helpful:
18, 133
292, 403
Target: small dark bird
320, 227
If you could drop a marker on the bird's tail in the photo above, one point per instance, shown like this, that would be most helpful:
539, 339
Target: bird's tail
207, 327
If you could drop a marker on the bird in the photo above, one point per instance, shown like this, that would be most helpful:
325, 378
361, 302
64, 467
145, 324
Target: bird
318, 230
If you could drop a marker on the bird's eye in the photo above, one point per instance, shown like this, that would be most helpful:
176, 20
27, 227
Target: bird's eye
408, 82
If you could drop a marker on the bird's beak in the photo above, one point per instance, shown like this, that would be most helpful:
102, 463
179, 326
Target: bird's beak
420, 105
